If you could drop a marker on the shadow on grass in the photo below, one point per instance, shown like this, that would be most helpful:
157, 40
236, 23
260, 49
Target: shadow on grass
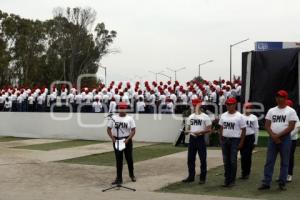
59, 145
10, 139
243, 188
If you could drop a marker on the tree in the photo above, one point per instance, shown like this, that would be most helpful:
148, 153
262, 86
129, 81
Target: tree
198, 79
61, 48
79, 49
4, 55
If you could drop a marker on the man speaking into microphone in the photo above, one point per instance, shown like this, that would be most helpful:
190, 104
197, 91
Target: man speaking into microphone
121, 130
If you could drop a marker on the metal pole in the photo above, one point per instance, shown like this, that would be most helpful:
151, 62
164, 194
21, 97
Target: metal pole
105, 77
175, 71
232, 45
230, 70
64, 69
203, 64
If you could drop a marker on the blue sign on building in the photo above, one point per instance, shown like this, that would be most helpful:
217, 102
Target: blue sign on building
264, 46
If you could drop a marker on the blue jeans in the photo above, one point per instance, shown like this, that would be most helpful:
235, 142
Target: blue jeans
273, 149
292, 157
246, 155
230, 153
197, 144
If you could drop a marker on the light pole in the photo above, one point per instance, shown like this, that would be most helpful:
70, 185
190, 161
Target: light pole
161, 73
155, 73
104, 73
175, 71
232, 45
209, 61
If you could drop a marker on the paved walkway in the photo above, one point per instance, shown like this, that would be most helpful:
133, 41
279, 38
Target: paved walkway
28, 175
15, 155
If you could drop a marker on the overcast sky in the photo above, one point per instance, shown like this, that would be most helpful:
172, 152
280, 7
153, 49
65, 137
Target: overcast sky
155, 34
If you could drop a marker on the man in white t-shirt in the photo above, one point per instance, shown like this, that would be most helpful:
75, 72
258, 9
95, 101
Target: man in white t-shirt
2, 100
30, 103
151, 104
122, 127
78, 100
198, 124
112, 106
7, 105
280, 122
222, 100
140, 105
294, 137
250, 140
97, 105
71, 101
233, 131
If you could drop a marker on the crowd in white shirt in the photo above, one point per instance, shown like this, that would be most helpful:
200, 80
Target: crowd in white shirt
146, 97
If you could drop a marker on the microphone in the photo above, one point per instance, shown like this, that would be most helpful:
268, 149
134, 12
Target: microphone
109, 115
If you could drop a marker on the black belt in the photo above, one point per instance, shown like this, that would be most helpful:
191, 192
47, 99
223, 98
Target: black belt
231, 138
120, 138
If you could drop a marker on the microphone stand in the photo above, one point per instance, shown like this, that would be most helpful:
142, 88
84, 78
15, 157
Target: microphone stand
118, 186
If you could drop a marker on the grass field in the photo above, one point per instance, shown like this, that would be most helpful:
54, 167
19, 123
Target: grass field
243, 188
139, 154
9, 139
59, 145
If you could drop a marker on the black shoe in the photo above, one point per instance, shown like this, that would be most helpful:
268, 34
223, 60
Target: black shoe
133, 179
201, 182
282, 187
117, 182
244, 177
231, 184
188, 180
228, 185
264, 187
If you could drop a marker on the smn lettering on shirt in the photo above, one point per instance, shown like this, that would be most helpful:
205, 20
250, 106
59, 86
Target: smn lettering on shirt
196, 122
229, 125
121, 125
278, 118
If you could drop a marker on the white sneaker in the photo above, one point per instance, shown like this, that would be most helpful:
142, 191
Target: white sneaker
289, 178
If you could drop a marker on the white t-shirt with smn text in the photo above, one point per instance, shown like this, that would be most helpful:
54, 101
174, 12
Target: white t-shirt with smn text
198, 122
125, 125
280, 118
232, 124
252, 124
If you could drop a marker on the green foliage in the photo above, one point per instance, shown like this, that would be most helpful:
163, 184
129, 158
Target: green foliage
61, 48
198, 79
139, 154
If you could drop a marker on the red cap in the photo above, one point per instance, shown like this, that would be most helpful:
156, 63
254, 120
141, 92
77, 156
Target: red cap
282, 93
122, 105
195, 102
231, 101
289, 102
